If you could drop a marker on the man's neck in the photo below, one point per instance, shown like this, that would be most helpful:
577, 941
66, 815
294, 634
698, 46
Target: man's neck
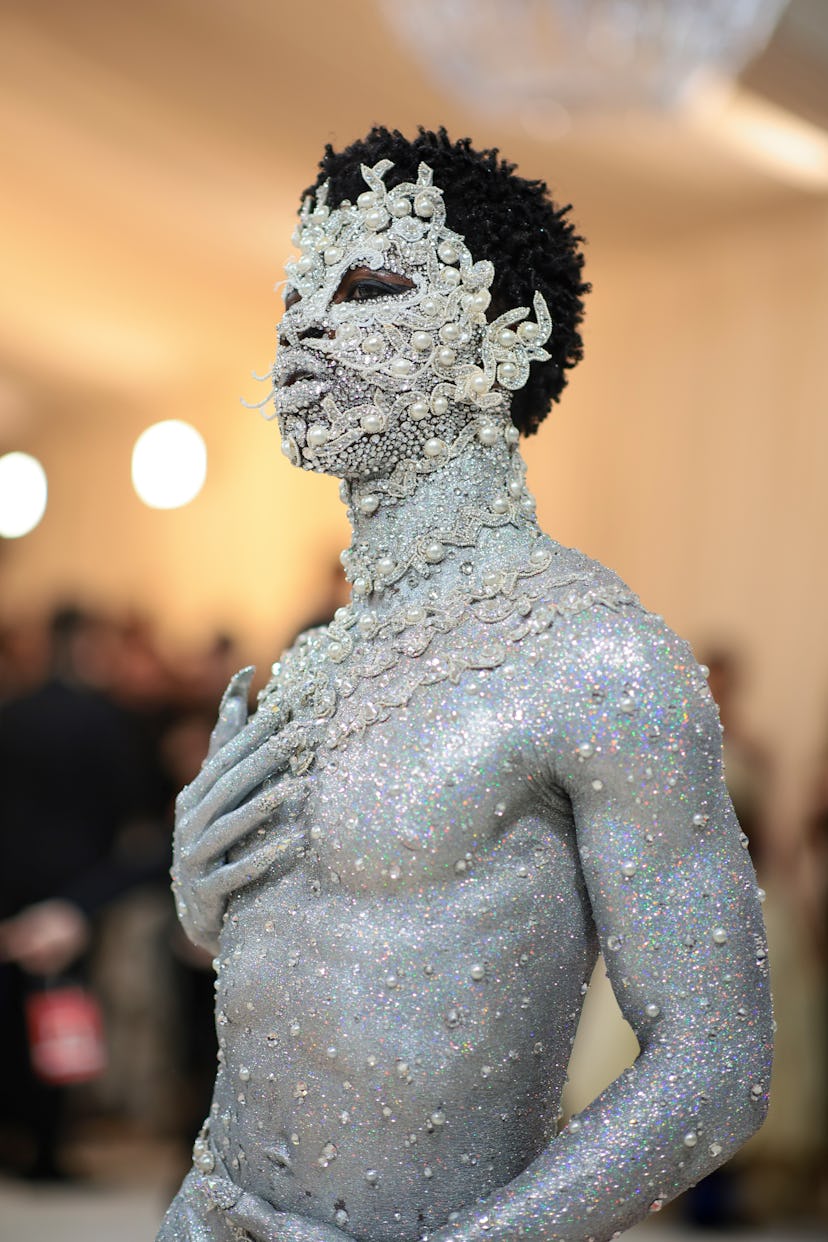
468, 515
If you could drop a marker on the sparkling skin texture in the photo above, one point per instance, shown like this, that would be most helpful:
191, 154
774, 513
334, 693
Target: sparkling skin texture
492, 763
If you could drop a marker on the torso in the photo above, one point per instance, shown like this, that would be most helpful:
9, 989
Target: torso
413, 983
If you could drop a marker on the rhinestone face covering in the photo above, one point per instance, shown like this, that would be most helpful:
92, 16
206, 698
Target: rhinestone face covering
492, 763
414, 364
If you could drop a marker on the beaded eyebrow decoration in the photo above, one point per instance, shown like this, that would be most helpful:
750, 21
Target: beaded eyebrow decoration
432, 350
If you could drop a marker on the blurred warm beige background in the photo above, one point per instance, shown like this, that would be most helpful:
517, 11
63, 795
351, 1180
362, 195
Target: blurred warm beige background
152, 157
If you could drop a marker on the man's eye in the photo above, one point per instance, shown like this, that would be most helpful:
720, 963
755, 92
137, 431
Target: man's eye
366, 290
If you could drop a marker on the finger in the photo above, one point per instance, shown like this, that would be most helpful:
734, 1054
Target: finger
232, 713
269, 760
231, 829
280, 854
249, 737
258, 1218
265, 1224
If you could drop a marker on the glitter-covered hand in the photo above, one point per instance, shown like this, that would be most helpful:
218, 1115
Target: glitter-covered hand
219, 844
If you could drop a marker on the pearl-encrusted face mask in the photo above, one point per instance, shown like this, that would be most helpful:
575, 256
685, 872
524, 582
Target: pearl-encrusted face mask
385, 350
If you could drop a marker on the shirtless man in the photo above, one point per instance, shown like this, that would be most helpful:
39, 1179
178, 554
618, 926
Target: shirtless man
492, 762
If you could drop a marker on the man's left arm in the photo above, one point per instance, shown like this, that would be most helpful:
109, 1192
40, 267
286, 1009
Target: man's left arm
633, 739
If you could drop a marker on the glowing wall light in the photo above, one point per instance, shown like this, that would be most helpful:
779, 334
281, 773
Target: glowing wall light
169, 464
23, 493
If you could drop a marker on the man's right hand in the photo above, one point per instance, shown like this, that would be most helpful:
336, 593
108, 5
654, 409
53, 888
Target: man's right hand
221, 843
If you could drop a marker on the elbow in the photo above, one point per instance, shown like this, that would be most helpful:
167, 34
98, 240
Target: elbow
746, 1081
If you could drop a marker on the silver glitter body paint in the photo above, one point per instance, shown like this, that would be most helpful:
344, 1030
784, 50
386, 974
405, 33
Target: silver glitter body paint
491, 763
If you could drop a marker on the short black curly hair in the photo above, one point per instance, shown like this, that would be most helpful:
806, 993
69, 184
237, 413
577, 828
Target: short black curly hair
504, 218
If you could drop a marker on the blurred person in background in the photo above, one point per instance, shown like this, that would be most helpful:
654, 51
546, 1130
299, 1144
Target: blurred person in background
774, 1176
71, 782
748, 765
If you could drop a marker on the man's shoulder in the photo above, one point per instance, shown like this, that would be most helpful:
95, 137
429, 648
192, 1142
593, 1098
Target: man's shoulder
590, 619
573, 581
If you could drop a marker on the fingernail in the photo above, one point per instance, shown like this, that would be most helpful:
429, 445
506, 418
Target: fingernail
238, 685
241, 681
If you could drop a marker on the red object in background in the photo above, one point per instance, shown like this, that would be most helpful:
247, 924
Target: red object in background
65, 1028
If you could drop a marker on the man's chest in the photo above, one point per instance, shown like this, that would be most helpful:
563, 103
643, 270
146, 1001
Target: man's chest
420, 796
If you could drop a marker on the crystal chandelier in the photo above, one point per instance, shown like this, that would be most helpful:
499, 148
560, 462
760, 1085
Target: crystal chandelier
530, 59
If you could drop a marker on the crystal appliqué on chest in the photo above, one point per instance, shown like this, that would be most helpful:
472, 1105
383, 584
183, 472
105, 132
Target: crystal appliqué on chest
359, 670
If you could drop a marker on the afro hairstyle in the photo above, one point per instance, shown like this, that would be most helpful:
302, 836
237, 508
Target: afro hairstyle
504, 218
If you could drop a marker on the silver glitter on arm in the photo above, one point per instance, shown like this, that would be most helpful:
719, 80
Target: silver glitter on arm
674, 897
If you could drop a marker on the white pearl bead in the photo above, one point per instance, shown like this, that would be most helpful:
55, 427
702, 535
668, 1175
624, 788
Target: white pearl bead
450, 276
362, 586
434, 447
418, 410
512, 434
375, 218
500, 505
628, 870
333, 254
372, 423
538, 556
691, 1138
528, 332
368, 503
527, 503
477, 972
320, 213
652, 1010
317, 435
490, 580
506, 372
439, 405
435, 552
415, 614
481, 300
430, 306
367, 199
447, 252
422, 341
385, 566
373, 344
400, 207
719, 935
450, 332
515, 488
347, 332
480, 384
488, 433
445, 356
304, 265
506, 337
400, 367
424, 206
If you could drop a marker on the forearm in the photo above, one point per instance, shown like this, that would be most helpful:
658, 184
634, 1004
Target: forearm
664, 1124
